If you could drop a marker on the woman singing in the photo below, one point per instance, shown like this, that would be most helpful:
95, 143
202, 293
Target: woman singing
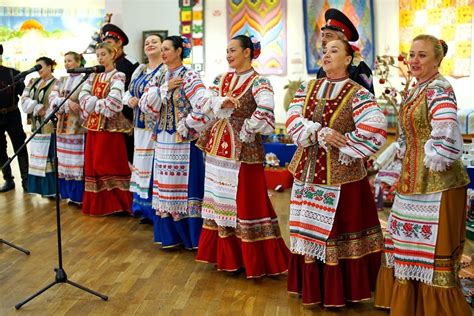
107, 173
335, 235
240, 228
426, 228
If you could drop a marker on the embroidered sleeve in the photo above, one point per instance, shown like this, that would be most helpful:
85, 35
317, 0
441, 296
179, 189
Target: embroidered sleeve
262, 120
371, 126
112, 103
27, 103
446, 143
151, 100
87, 101
302, 131
213, 106
56, 100
56, 86
196, 93
38, 107
127, 95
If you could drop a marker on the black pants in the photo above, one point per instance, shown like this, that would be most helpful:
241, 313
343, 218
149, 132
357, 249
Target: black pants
11, 123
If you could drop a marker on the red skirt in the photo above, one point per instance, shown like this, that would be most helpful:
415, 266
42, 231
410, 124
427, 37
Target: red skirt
355, 245
256, 243
107, 174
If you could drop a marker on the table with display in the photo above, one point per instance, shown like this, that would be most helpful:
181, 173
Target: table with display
279, 176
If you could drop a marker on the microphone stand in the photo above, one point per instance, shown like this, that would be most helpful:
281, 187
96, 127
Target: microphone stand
3, 241
13, 83
61, 276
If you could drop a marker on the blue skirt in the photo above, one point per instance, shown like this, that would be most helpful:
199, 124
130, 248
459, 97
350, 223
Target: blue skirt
184, 229
71, 190
142, 207
42, 185
170, 232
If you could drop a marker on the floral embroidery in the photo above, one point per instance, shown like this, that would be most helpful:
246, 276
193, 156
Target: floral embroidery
426, 231
411, 230
328, 198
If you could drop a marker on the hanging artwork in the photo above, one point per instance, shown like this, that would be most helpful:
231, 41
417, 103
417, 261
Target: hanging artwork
448, 20
192, 27
29, 32
360, 12
266, 20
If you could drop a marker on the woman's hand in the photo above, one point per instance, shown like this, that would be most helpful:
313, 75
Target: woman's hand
336, 139
230, 103
175, 83
42, 112
74, 107
133, 102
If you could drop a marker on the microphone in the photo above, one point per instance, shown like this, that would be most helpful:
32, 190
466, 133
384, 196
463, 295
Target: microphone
23, 74
86, 70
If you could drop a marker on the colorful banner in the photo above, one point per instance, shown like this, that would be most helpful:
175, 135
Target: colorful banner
450, 20
360, 12
266, 20
28, 33
192, 27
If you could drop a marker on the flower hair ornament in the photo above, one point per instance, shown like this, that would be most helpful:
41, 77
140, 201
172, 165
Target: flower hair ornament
186, 47
82, 60
444, 46
356, 55
257, 49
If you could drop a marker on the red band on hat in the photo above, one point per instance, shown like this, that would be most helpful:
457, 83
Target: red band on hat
337, 24
114, 34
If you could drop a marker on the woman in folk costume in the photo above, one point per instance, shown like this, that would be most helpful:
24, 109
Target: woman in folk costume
35, 102
240, 226
141, 181
426, 227
107, 173
71, 137
335, 235
178, 169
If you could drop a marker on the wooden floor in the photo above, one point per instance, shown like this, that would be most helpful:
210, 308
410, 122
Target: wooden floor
115, 256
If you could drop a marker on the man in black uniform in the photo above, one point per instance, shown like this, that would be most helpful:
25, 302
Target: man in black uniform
114, 35
10, 122
338, 26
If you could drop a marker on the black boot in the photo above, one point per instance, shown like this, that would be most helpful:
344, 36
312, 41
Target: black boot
9, 183
23, 164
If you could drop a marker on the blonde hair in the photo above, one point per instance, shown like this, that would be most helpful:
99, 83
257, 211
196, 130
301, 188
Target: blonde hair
108, 47
440, 47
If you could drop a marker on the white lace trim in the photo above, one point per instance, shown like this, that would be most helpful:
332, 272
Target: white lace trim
435, 165
245, 136
422, 274
345, 159
322, 134
182, 128
306, 248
